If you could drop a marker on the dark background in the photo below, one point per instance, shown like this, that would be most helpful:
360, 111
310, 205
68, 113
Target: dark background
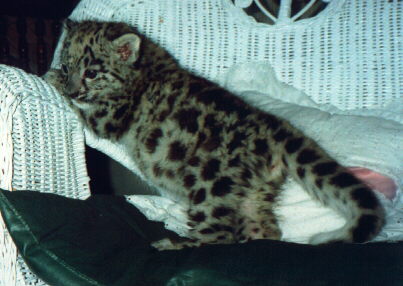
29, 30
52, 9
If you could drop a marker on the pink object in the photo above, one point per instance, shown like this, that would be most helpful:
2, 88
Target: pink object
376, 181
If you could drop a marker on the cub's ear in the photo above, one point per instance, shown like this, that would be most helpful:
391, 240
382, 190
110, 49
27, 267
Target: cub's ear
127, 47
68, 24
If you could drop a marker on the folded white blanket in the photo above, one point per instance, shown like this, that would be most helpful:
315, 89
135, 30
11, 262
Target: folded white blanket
364, 138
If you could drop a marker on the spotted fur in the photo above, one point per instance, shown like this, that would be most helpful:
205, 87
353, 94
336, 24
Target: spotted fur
201, 143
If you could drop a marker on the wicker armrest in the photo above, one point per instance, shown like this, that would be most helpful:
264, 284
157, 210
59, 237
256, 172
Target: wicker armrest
42, 149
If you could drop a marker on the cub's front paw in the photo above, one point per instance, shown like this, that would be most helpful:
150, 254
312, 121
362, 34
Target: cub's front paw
168, 244
164, 244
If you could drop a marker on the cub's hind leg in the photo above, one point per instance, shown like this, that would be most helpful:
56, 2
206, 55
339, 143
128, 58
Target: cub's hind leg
212, 216
203, 231
249, 229
226, 211
258, 220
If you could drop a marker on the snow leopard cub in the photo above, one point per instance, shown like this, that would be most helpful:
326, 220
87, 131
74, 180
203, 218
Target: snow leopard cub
202, 144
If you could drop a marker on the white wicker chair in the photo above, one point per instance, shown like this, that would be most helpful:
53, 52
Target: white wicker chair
349, 56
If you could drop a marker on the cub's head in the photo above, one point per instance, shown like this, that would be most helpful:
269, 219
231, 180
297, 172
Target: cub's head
95, 59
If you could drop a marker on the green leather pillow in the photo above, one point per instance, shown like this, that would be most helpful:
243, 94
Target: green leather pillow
105, 241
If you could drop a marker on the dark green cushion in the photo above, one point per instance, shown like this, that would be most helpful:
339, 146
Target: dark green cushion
105, 241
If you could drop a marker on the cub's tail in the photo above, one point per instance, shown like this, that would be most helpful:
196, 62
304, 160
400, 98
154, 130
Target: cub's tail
330, 183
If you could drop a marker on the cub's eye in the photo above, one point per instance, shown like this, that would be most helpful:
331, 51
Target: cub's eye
90, 74
64, 68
